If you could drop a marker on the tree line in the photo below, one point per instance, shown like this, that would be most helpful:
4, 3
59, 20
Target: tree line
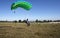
20, 21
47, 20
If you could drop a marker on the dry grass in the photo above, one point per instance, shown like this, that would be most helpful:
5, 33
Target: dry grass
35, 30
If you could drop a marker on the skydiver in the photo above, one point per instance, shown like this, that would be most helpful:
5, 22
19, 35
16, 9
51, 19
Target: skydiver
27, 22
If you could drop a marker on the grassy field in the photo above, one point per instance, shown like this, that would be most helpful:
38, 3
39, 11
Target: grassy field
35, 30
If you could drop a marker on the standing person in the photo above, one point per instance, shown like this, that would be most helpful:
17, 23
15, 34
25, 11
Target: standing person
28, 23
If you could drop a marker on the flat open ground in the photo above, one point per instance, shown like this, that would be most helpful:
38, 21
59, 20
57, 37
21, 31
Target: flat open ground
35, 30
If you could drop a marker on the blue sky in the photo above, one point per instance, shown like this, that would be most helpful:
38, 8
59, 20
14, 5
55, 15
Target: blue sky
41, 9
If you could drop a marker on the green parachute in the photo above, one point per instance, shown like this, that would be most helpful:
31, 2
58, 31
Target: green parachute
25, 5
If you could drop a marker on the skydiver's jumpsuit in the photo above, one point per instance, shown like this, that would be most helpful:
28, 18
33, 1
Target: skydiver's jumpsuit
28, 23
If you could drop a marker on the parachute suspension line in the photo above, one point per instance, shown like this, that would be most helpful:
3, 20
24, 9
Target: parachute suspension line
14, 11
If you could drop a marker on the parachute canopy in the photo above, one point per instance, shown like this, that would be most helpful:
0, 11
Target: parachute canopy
23, 4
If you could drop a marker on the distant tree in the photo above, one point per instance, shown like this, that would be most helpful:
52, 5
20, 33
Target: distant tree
15, 21
40, 21
44, 20
19, 20
24, 21
57, 20
36, 20
50, 20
